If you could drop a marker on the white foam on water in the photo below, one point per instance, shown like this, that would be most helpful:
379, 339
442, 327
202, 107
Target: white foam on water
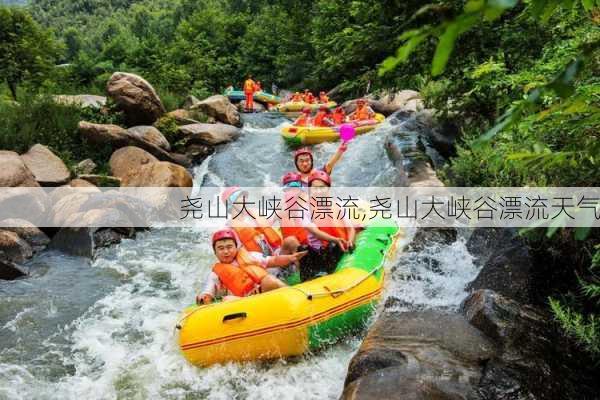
436, 276
125, 345
13, 324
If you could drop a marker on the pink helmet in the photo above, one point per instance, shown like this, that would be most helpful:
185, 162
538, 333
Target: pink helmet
228, 192
319, 175
302, 151
222, 234
291, 177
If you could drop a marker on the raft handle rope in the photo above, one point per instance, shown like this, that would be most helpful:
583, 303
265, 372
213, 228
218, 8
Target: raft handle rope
339, 292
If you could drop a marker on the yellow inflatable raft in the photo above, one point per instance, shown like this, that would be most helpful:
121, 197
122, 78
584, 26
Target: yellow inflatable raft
298, 106
301, 135
292, 320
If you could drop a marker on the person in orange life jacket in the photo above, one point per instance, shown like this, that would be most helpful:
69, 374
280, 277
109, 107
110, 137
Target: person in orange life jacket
338, 116
239, 272
323, 98
297, 97
255, 233
249, 89
323, 117
309, 98
295, 199
363, 111
304, 119
303, 159
328, 238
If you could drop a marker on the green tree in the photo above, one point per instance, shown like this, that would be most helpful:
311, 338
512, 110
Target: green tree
27, 52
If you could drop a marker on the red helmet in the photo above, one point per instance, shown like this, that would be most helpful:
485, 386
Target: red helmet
228, 192
222, 234
291, 177
319, 175
306, 110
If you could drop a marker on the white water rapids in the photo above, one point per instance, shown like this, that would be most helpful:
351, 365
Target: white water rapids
104, 329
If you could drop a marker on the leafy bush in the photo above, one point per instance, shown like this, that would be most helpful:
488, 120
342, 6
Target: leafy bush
41, 120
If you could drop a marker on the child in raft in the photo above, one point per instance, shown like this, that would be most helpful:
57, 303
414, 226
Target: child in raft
238, 272
363, 111
325, 239
304, 119
254, 232
323, 118
338, 116
303, 160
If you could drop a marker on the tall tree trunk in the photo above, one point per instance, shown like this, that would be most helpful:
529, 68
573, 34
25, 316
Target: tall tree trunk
13, 89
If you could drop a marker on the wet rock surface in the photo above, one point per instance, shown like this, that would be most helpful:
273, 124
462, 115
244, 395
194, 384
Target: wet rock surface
419, 355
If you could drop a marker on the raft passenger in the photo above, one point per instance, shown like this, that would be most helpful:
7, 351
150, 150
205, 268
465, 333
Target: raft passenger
238, 272
304, 119
363, 111
323, 117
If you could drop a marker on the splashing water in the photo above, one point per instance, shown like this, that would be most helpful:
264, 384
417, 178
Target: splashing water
105, 329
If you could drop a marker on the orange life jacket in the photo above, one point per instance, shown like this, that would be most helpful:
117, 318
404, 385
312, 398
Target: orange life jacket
320, 119
292, 226
332, 225
324, 99
303, 121
338, 118
243, 278
362, 113
251, 236
249, 86
309, 98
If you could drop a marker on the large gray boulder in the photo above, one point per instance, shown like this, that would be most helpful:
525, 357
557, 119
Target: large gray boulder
158, 174
211, 134
533, 360
219, 107
418, 355
117, 137
507, 266
14, 172
13, 248
47, 168
37, 239
149, 134
128, 159
136, 97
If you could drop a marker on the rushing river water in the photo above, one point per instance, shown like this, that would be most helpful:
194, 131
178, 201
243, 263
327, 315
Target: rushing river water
104, 329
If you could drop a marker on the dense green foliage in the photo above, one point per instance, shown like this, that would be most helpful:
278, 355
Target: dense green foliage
520, 79
41, 120
27, 52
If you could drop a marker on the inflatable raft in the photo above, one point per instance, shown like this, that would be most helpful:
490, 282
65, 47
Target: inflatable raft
292, 320
300, 135
263, 97
293, 108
